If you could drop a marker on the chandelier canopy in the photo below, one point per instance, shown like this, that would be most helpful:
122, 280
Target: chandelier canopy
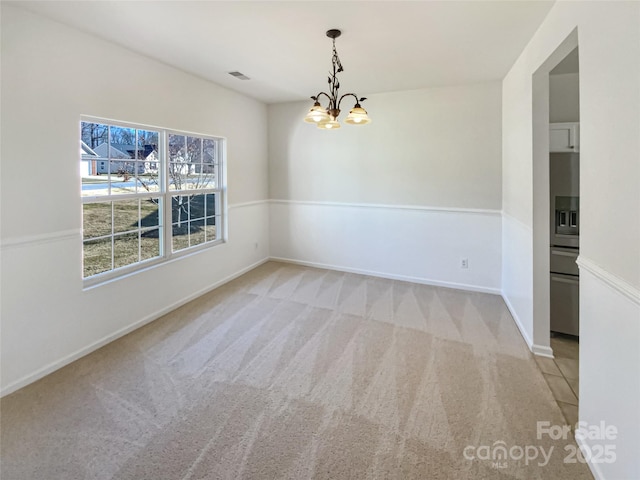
327, 118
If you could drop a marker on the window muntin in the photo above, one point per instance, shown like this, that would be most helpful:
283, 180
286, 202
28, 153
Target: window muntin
136, 181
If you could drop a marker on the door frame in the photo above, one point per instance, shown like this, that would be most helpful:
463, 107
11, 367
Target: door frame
540, 163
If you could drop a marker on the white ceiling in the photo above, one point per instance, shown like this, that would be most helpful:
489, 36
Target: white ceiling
282, 47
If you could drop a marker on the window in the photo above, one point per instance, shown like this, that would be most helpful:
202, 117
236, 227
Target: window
148, 195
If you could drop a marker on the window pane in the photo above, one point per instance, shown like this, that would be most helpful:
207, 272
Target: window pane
123, 179
177, 144
96, 219
209, 162
96, 256
94, 134
125, 215
211, 205
180, 237
122, 160
210, 149
194, 150
123, 142
125, 249
196, 205
211, 228
179, 175
187, 207
93, 184
175, 176
149, 212
148, 182
180, 209
201, 180
187, 176
150, 244
177, 168
149, 174
197, 232
99, 181
193, 159
147, 145
137, 168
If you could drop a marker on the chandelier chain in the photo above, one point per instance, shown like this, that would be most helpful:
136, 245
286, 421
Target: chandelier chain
333, 78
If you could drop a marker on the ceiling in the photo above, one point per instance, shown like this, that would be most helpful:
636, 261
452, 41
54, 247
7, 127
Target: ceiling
282, 47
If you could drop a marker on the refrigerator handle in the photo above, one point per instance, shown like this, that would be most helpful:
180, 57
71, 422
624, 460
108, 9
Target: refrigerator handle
562, 253
570, 281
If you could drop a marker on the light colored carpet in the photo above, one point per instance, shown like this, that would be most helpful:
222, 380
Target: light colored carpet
294, 372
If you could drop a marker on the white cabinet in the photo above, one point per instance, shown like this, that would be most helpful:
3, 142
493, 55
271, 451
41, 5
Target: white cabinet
564, 137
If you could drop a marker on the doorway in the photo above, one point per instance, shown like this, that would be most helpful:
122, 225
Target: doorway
556, 222
564, 216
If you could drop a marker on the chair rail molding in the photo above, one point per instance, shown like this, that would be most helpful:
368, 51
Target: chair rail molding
614, 282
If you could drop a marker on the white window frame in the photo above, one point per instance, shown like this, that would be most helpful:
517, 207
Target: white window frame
164, 209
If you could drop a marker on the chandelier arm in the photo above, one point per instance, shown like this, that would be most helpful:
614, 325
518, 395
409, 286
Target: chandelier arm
317, 97
347, 95
333, 78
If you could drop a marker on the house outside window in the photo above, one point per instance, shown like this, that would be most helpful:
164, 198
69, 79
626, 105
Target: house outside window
148, 195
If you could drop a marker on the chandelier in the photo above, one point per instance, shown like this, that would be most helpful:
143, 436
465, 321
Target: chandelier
327, 118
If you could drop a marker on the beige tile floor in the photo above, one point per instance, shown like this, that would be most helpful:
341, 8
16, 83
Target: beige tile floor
561, 374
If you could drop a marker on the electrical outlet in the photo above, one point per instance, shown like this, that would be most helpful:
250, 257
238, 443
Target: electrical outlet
464, 263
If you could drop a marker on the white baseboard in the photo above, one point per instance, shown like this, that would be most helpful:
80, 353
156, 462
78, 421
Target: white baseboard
542, 351
536, 349
52, 367
406, 278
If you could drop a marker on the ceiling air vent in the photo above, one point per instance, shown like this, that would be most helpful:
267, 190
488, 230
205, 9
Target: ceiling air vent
239, 76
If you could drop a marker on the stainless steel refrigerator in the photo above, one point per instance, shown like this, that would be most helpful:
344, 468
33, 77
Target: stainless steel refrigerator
564, 182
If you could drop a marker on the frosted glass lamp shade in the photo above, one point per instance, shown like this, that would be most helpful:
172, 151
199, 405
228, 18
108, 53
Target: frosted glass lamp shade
317, 114
332, 124
357, 116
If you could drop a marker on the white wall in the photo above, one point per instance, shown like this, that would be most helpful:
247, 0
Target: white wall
609, 37
51, 75
415, 244
406, 196
610, 365
564, 97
